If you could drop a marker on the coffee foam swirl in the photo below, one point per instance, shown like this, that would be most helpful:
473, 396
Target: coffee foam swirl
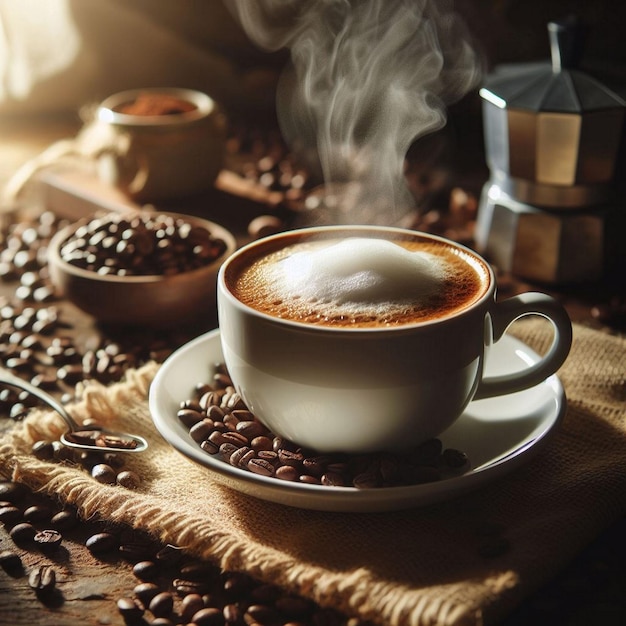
357, 282
368, 276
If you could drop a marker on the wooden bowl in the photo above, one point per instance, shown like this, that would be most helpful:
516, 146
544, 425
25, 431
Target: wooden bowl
158, 301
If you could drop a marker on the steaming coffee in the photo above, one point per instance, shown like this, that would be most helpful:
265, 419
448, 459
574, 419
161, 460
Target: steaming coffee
358, 282
386, 381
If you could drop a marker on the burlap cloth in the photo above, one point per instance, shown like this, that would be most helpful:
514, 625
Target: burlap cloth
422, 566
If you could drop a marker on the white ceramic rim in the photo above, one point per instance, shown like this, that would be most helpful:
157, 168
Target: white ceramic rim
223, 290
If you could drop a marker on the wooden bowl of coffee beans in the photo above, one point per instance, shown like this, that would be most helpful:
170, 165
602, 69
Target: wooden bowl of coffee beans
143, 268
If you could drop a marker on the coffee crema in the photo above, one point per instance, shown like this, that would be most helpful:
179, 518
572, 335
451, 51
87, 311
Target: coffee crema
358, 282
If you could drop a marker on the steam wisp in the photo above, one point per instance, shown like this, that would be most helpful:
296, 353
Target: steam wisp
368, 77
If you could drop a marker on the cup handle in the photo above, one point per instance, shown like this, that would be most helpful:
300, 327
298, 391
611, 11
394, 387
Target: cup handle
503, 314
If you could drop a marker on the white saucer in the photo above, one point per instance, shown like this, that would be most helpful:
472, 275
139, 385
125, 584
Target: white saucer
497, 434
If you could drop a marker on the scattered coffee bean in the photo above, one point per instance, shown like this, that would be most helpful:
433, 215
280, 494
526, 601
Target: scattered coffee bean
48, 540
191, 604
43, 450
37, 513
128, 479
104, 474
455, 459
146, 571
162, 604
9, 515
42, 579
102, 542
64, 520
23, 533
210, 616
129, 609
146, 591
183, 587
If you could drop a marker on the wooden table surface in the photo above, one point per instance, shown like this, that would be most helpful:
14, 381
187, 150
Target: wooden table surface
92, 584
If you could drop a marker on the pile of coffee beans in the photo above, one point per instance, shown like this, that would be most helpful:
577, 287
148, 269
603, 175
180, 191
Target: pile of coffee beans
36, 341
37, 345
141, 244
171, 586
221, 424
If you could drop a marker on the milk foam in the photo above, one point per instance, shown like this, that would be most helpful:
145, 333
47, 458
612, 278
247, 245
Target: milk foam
365, 275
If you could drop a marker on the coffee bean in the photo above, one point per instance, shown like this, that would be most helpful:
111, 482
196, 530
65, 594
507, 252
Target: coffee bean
287, 457
455, 459
287, 472
48, 540
211, 399
210, 447
262, 467
309, 480
190, 605
189, 417
128, 479
9, 515
333, 479
37, 513
43, 450
261, 443
265, 594
222, 380
215, 413
64, 520
209, 616
129, 609
261, 614
250, 429
146, 571
366, 480
162, 604
241, 456
232, 613
146, 591
226, 451
23, 534
101, 543
201, 430
104, 474
184, 587
234, 438
42, 579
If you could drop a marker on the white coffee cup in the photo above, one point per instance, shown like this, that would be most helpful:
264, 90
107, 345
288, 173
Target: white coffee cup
360, 388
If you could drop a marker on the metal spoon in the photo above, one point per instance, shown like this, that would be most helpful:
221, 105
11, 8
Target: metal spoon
95, 438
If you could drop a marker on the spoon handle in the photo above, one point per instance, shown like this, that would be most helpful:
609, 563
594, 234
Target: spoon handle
8, 378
